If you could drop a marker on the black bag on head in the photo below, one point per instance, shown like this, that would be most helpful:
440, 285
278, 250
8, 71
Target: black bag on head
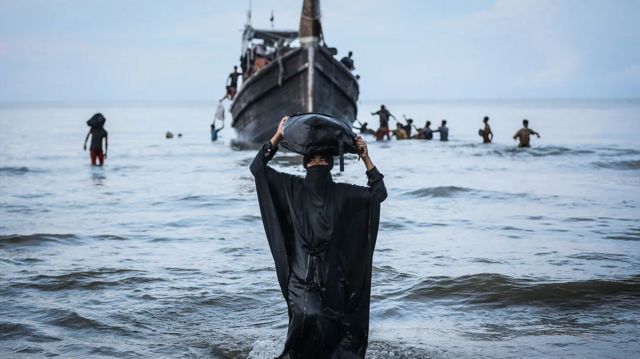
96, 120
315, 133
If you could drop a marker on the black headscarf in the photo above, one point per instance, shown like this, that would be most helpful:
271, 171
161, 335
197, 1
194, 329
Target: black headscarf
307, 158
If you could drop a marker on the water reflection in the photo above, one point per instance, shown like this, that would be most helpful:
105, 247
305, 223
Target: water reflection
98, 176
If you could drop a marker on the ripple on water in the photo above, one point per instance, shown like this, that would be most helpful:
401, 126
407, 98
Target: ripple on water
15, 171
439, 192
87, 280
497, 290
72, 320
465, 192
34, 239
22, 331
631, 234
619, 165
615, 257
542, 151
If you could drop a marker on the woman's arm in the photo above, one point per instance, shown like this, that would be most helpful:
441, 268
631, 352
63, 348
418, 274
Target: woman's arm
376, 182
86, 139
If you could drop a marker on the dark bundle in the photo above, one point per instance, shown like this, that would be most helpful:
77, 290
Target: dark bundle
96, 120
315, 133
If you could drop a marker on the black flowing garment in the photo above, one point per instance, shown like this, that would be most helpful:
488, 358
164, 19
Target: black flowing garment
322, 235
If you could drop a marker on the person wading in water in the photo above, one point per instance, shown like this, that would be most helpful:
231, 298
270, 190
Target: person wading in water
487, 135
322, 235
524, 134
97, 133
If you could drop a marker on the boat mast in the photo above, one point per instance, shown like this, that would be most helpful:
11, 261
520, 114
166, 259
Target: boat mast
247, 35
310, 27
310, 31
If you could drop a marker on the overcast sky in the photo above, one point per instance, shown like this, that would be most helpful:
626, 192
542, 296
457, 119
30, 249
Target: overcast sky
182, 50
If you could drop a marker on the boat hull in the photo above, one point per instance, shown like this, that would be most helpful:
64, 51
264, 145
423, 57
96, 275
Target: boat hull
306, 79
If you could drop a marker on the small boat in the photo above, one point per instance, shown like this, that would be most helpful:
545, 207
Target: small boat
283, 80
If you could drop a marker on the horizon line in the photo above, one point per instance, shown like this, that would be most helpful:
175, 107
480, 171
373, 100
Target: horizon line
201, 102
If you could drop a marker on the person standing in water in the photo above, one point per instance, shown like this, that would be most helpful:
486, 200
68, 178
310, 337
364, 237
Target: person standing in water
428, 132
400, 132
220, 117
364, 128
214, 131
487, 135
524, 135
97, 133
384, 116
408, 127
444, 131
322, 236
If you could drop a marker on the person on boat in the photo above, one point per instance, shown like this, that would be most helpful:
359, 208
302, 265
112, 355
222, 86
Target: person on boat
364, 128
260, 58
232, 84
322, 236
348, 61
98, 134
399, 132
487, 135
246, 64
444, 131
384, 116
524, 134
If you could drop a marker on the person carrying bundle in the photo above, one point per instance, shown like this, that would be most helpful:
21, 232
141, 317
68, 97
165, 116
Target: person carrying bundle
487, 135
322, 235
97, 133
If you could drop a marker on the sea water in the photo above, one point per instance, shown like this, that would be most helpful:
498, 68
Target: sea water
484, 251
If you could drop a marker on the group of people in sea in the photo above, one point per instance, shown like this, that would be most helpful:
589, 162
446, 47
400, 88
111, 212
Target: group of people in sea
404, 131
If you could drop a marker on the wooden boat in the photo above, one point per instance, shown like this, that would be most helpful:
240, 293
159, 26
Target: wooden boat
306, 78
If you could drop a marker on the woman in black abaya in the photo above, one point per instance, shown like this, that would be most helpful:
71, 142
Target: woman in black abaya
322, 236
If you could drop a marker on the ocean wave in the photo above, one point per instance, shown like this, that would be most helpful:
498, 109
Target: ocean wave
33, 239
21, 331
497, 290
72, 320
616, 152
14, 170
631, 234
455, 191
539, 151
614, 257
619, 165
42, 238
90, 280
439, 192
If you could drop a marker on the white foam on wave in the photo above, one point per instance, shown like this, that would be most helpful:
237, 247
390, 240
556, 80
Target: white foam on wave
265, 349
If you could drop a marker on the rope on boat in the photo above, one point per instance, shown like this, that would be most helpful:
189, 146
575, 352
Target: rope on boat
280, 68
